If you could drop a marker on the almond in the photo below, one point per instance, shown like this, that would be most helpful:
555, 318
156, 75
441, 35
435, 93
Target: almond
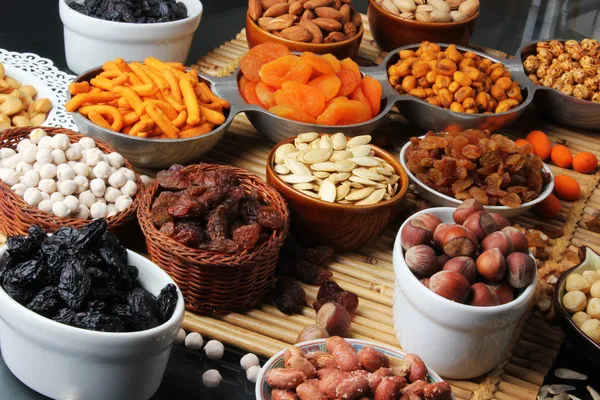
297, 33
266, 4
264, 22
349, 29
296, 8
255, 9
328, 24
307, 15
328, 12
337, 4
345, 12
279, 23
335, 37
312, 4
317, 34
276, 10
356, 18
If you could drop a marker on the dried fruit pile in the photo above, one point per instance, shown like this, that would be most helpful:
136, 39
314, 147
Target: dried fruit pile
342, 373
483, 260
582, 300
431, 10
491, 169
461, 82
81, 278
308, 88
211, 210
138, 12
312, 21
336, 169
570, 67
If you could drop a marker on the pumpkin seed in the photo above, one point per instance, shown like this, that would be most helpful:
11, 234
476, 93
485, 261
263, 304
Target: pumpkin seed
325, 142
344, 202
386, 197
359, 194
363, 181
327, 191
358, 140
342, 191
382, 171
361, 151
339, 141
292, 178
340, 155
309, 193
323, 166
381, 160
296, 167
595, 395
304, 186
321, 174
282, 151
319, 181
339, 177
390, 190
282, 169
315, 144
365, 161
307, 137
564, 373
357, 185
387, 166
368, 174
395, 187
314, 156
302, 146
393, 179
344, 165
558, 389
373, 198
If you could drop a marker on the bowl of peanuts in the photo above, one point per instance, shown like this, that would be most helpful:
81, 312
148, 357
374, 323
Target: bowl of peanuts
446, 87
565, 75
155, 114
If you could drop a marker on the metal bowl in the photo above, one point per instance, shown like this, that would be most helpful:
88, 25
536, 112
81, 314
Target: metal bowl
159, 153
429, 117
567, 110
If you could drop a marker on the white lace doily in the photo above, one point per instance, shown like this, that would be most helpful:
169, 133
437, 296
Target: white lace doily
56, 80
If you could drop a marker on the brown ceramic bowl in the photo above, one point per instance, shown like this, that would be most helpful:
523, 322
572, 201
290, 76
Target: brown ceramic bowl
255, 35
345, 227
391, 31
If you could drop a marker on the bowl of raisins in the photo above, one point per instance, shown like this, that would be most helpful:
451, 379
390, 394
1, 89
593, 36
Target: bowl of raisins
450, 167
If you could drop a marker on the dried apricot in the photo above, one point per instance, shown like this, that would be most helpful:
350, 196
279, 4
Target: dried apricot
566, 188
285, 69
328, 84
541, 144
335, 100
242, 82
561, 156
303, 97
293, 113
359, 96
252, 61
549, 207
319, 65
521, 142
346, 112
585, 162
333, 61
372, 90
264, 93
350, 65
250, 94
349, 82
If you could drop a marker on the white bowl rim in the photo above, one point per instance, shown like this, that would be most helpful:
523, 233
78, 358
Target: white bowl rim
454, 306
47, 323
116, 24
271, 361
545, 193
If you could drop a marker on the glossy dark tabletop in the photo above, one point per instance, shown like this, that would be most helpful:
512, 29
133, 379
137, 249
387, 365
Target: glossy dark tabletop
34, 26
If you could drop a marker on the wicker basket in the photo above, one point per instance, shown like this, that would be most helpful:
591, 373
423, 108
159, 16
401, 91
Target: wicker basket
16, 216
215, 283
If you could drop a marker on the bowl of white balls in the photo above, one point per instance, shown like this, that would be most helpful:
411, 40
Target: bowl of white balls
55, 177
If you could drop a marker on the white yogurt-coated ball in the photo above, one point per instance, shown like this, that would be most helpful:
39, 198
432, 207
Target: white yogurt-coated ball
71, 163
60, 209
81, 169
58, 156
12, 161
194, 341
115, 160
31, 178
129, 174
47, 185
87, 143
29, 153
67, 187
101, 200
73, 153
72, 202
60, 141
117, 179
123, 202
211, 378
93, 157
98, 187
22, 167
146, 180
249, 360
44, 156
10, 177
32, 196
65, 173
57, 196
82, 183
48, 171
98, 210
45, 196
19, 189
214, 349
22, 144
180, 338
46, 205
129, 188
111, 210
102, 170
7, 152
82, 212
87, 198
112, 194
37, 165
36, 135
45, 143
252, 373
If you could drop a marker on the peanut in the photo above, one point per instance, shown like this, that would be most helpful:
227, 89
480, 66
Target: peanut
418, 370
280, 394
307, 391
285, 378
352, 387
377, 376
330, 382
416, 387
437, 391
301, 364
372, 360
389, 388
346, 357
291, 352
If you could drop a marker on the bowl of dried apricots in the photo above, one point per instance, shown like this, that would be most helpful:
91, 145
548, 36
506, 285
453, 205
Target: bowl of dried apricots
450, 167
290, 93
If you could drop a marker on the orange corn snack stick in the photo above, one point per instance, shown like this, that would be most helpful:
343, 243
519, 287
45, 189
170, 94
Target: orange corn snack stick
122, 65
133, 78
160, 82
190, 101
197, 131
155, 63
110, 74
212, 116
83, 98
97, 118
175, 92
117, 118
109, 65
102, 83
142, 90
140, 72
176, 105
181, 119
130, 118
134, 100
214, 99
123, 103
165, 107
161, 120
145, 124
176, 65
120, 80
79, 87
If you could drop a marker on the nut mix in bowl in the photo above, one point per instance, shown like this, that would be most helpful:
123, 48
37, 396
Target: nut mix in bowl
431, 10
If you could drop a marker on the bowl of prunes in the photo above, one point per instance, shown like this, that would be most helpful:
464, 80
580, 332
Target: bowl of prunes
83, 317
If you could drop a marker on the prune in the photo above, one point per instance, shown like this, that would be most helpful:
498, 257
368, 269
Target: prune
331, 291
269, 217
173, 178
226, 246
219, 177
160, 208
231, 204
288, 296
143, 308
90, 235
46, 302
18, 293
65, 316
246, 236
168, 229
217, 224
133, 272
5, 263
312, 274
97, 321
319, 255
74, 284
166, 302
30, 272
24, 245
190, 234
95, 305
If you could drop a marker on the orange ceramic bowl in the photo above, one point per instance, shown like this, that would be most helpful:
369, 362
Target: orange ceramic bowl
391, 31
346, 227
255, 35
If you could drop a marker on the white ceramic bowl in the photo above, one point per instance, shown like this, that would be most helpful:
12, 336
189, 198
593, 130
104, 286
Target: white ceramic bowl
438, 199
263, 390
90, 42
456, 340
64, 362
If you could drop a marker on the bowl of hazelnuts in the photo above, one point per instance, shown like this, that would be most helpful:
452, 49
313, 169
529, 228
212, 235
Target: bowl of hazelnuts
464, 275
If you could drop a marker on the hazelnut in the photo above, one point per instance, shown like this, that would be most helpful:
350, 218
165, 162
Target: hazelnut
481, 224
498, 240
579, 318
430, 221
574, 301
425, 281
334, 318
592, 329
500, 220
311, 332
451, 285
483, 296
577, 282
422, 260
415, 233
521, 269
464, 266
439, 233
465, 209
505, 292
443, 259
459, 241
491, 265
518, 239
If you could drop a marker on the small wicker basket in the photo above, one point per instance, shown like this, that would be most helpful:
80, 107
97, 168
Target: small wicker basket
16, 216
215, 283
